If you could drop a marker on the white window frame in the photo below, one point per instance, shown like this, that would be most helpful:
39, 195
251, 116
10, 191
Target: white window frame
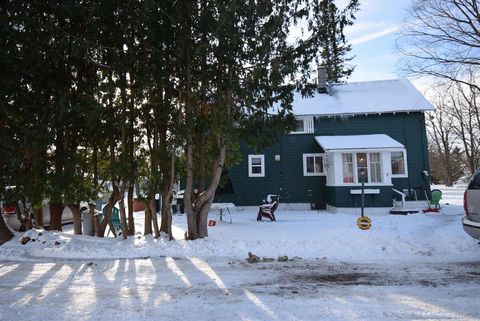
250, 172
356, 179
308, 125
404, 151
305, 156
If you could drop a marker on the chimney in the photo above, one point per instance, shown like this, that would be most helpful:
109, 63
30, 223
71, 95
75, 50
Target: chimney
322, 79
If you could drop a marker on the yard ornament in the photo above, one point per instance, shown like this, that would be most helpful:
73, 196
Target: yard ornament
364, 223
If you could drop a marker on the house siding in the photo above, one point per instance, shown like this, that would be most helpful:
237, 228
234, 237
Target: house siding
286, 176
341, 197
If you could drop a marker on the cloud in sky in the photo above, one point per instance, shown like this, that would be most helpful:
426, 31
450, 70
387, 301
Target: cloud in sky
372, 36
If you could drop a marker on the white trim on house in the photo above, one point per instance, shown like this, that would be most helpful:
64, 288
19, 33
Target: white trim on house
405, 175
305, 156
262, 165
308, 125
365, 191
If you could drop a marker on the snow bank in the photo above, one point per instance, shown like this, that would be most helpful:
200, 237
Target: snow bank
307, 234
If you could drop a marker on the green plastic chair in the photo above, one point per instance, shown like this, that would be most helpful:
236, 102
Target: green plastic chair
436, 197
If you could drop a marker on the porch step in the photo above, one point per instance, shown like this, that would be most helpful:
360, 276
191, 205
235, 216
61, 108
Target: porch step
403, 211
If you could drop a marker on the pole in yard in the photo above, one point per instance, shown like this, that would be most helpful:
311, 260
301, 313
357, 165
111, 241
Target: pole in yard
362, 176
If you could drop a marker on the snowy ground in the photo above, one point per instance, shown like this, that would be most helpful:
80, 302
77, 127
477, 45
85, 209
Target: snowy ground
420, 266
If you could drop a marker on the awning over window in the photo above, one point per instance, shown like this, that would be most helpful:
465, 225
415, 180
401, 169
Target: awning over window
356, 142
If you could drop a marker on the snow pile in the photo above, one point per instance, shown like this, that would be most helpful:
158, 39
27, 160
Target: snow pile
306, 234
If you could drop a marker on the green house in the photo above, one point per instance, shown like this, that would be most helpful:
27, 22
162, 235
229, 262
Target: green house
375, 129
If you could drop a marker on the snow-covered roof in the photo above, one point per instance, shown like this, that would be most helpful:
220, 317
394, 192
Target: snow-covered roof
383, 96
355, 142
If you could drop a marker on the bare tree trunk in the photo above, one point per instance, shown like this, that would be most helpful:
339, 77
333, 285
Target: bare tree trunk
77, 219
56, 211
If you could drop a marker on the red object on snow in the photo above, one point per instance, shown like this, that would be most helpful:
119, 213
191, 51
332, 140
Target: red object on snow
212, 223
9, 209
430, 210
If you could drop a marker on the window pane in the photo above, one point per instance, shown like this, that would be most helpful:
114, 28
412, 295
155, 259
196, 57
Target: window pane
398, 163
347, 160
256, 169
318, 164
375, 168
375, 157
362, 167
310, 166
256, 161
376, 173
300, 126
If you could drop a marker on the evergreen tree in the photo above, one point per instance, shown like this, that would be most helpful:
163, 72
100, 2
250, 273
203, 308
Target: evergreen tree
335, 47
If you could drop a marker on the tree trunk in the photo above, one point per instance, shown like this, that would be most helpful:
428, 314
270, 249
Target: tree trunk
166, 225
107, 219
192, 230
56, 211
201, 163
94, 229
148, 220
77, 219
166, 209
131, 221
199, 216
153, 210
123, 219
5, 233
97, 224
38, 215
203, 217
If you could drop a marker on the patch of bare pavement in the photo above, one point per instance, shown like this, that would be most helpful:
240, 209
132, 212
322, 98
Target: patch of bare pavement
321, 273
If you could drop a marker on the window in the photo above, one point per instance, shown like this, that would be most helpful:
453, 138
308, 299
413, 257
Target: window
256, 165
362, 169
367, 164
399, 161
304, 125
300, 126
313, 165
347, 160
375, 167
